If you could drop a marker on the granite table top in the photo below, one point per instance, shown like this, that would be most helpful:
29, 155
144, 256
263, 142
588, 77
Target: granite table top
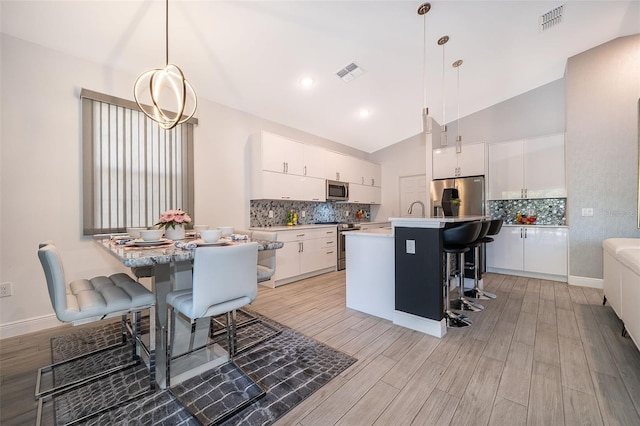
135, 256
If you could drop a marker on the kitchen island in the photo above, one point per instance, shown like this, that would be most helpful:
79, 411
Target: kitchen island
397, 273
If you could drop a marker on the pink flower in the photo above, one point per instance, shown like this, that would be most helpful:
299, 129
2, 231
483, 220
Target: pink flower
171, 218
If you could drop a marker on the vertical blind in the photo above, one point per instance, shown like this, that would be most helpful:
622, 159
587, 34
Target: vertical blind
133, 170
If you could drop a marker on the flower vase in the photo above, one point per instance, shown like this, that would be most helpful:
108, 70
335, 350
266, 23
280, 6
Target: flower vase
176, 233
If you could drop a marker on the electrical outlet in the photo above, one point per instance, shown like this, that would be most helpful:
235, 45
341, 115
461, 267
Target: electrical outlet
587, 211
270, 214
346, 213
411, 246
5, 289
303, 213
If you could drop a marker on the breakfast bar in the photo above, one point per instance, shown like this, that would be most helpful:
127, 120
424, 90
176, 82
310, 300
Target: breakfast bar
397, 273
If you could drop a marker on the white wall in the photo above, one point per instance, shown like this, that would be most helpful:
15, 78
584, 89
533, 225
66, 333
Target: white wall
41, 171
603, 91
409, 157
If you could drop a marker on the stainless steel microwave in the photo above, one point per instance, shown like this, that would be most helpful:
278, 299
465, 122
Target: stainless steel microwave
337, 191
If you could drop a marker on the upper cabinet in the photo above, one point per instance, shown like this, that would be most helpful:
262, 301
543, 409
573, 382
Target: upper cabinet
284, 169
529, 168
449, 164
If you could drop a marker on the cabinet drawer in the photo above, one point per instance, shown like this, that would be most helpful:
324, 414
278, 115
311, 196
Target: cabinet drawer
293, 235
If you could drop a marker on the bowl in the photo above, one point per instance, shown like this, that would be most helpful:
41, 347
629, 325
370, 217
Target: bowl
210, 235
226, 230
135, 232
151, 234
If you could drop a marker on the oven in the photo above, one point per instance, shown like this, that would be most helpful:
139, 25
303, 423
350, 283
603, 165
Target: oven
343, 228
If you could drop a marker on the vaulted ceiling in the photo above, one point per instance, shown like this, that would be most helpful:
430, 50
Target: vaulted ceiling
251, 55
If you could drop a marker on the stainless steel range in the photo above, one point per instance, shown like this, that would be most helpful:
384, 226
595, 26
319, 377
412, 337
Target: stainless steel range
342, 252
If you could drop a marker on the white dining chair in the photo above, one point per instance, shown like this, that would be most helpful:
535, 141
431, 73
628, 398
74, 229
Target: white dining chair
88, 300
224, 280
266, 258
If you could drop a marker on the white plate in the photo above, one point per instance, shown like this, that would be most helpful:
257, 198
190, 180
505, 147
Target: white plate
142, 243
220, 242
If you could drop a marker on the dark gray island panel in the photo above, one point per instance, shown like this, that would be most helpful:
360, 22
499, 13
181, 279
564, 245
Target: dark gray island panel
419, 276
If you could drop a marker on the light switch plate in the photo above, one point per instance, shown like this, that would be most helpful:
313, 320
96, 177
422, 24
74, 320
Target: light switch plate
587, 211
411, 246
303, 213
270, 214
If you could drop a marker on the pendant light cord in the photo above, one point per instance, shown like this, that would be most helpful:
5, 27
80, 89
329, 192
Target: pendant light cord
444, 121
424, 61
166, 31
458, 101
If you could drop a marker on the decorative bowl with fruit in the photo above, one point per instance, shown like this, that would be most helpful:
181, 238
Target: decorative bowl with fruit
526, 219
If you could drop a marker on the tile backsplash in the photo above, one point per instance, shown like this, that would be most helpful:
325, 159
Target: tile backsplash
314, 212
550, 211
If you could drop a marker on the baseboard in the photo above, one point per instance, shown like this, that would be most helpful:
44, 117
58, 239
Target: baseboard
585, 281
18, 328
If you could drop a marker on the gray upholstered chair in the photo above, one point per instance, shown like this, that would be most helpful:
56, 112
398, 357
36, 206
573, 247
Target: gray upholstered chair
224, 279
266, 258
87, 300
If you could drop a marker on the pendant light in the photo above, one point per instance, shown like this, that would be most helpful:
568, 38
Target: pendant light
456, 65
426, 122
443, 129
160, 91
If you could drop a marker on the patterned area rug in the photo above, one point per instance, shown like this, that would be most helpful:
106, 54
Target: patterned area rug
289, 367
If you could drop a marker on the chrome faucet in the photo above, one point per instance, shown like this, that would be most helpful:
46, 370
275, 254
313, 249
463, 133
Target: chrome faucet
414, 203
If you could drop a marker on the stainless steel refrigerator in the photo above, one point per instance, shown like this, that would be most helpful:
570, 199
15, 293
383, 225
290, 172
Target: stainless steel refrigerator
470, 191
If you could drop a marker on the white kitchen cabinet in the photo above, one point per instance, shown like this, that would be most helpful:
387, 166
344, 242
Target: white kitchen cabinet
314, 161
306, 252
532, 249
280, 154
336, 166
529, 168
469, 162
363, 172
364, 194
279, 186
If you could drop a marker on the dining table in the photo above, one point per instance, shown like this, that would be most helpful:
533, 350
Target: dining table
171, 263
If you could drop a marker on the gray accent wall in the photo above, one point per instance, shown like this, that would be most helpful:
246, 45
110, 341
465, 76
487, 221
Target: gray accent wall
602, 92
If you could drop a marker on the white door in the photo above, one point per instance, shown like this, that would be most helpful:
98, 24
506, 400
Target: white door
414, 188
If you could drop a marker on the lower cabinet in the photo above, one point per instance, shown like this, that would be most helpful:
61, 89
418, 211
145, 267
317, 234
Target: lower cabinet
306, 252
538, 250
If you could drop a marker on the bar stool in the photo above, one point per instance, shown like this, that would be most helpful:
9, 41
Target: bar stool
455, 243
476, 292
495, 225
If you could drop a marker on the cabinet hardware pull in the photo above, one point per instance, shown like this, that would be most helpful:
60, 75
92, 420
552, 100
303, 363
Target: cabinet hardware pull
300, 235
373, 182
525, 232
521, 233
525, 193
302, 246
329, 252
337, 175
286, 198
315, 199
363, 180
305, 170
284, 167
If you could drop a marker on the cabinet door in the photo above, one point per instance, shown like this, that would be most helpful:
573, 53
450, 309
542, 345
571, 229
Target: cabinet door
288, 260
359, 193
544, 167
376, 195
444, 163
314, 161
278, 186
471, 160
334, 166
545, 250
506, 251
318, 253
313, 189
376, 175
506, 171
280, 154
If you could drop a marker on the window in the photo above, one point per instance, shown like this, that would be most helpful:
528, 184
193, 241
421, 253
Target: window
133, 170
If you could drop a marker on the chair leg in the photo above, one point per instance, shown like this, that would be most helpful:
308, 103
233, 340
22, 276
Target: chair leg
462, 302
476, 292
454, 319
170, 332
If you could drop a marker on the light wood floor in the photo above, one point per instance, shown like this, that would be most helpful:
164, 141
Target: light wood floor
543, 353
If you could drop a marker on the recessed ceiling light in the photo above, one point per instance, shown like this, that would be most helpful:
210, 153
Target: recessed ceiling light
364, 113
306, 82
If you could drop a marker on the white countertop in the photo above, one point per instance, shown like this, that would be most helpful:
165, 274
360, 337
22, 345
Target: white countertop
289, 228
432, 222
374, 232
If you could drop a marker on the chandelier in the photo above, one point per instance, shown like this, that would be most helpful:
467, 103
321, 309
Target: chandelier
160, 91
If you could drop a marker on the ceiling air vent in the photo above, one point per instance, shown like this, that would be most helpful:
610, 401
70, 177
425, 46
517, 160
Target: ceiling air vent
551, 18
350, 72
